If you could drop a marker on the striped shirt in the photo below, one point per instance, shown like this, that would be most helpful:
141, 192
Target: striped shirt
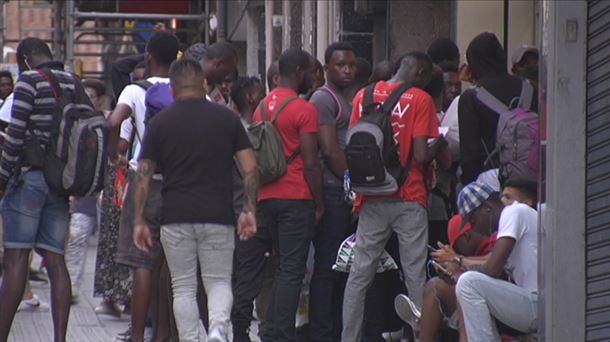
32, 113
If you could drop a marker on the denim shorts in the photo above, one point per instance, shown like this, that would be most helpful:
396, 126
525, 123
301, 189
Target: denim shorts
33, 215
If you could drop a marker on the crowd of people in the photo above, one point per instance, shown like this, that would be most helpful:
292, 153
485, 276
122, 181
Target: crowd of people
198, 236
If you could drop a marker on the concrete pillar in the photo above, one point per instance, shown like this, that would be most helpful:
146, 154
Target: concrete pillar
307, 33
268, 32
221, 10
561, 281
252, 42
322, 19
286, 24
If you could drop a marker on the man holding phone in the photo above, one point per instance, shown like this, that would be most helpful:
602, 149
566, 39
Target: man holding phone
471, 242
482, 294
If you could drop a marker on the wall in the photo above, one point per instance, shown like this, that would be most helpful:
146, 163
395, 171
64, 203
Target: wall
234, 13
561, 252
521, 24
476, 16
415, 24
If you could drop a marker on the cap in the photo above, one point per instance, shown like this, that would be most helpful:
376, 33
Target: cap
518, 54
472, 196
455, 230
196, 51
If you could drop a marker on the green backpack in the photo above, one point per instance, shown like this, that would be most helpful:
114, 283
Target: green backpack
268, 145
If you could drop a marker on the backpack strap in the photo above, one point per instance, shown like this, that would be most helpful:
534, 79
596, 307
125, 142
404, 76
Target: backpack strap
491, 101
54, 84
336, 98
265, 115
281, 107
527, 95
262, 107
48, 75
369, 100
390, 103
144, 84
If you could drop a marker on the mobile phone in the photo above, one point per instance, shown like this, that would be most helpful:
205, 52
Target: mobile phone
432, 249
440, 268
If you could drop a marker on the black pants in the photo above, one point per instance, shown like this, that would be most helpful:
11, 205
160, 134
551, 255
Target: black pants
248, 274
327, 286
291, 223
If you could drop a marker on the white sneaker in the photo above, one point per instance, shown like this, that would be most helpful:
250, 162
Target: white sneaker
392, 336
217, 335
407, 311
33, 304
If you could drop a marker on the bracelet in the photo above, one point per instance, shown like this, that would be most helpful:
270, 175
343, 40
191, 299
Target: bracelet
458, 259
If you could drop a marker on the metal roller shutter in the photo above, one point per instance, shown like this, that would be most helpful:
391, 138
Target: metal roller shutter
598, 172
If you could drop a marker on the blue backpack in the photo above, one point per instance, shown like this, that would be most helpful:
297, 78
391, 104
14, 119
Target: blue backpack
158, 97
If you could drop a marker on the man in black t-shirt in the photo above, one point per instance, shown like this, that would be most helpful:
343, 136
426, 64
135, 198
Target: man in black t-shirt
194, 142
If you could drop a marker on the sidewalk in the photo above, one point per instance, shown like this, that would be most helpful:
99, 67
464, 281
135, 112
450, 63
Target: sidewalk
84, 324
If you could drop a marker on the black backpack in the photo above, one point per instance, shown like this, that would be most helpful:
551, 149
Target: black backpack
372, 153
74, 161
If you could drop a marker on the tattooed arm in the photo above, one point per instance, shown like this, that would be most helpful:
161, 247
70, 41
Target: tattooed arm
141, 234
247, 219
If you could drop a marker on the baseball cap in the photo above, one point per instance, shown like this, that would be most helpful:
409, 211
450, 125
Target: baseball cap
455, 229
518, 54
471, 197
196, 51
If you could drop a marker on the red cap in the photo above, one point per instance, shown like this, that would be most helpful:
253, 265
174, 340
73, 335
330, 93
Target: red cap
455, 229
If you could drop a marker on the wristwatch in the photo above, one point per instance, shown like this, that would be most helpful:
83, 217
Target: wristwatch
458, 259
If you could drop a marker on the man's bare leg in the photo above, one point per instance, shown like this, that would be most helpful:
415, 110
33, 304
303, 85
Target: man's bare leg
15, 262
61, 293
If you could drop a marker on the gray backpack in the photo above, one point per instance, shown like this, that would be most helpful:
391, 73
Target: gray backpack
372, 153
74, 161
517, 135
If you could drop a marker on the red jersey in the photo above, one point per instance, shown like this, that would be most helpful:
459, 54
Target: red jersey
487, 245
298, 117
414, 116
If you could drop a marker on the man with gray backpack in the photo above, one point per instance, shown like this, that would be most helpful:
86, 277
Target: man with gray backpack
43, 162
391, 124
490, 134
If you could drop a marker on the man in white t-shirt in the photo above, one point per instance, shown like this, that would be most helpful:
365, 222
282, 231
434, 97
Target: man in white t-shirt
482, 296
130, 112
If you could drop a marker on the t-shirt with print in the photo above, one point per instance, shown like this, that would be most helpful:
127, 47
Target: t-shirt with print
413, 116
334, 110
194, 142
134, 96
298, 117
520, 222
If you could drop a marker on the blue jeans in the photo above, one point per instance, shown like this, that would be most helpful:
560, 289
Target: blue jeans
34, 216
291, 223
327, 286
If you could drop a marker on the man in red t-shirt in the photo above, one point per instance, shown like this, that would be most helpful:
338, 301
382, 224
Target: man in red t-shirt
414, 121
292, 204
